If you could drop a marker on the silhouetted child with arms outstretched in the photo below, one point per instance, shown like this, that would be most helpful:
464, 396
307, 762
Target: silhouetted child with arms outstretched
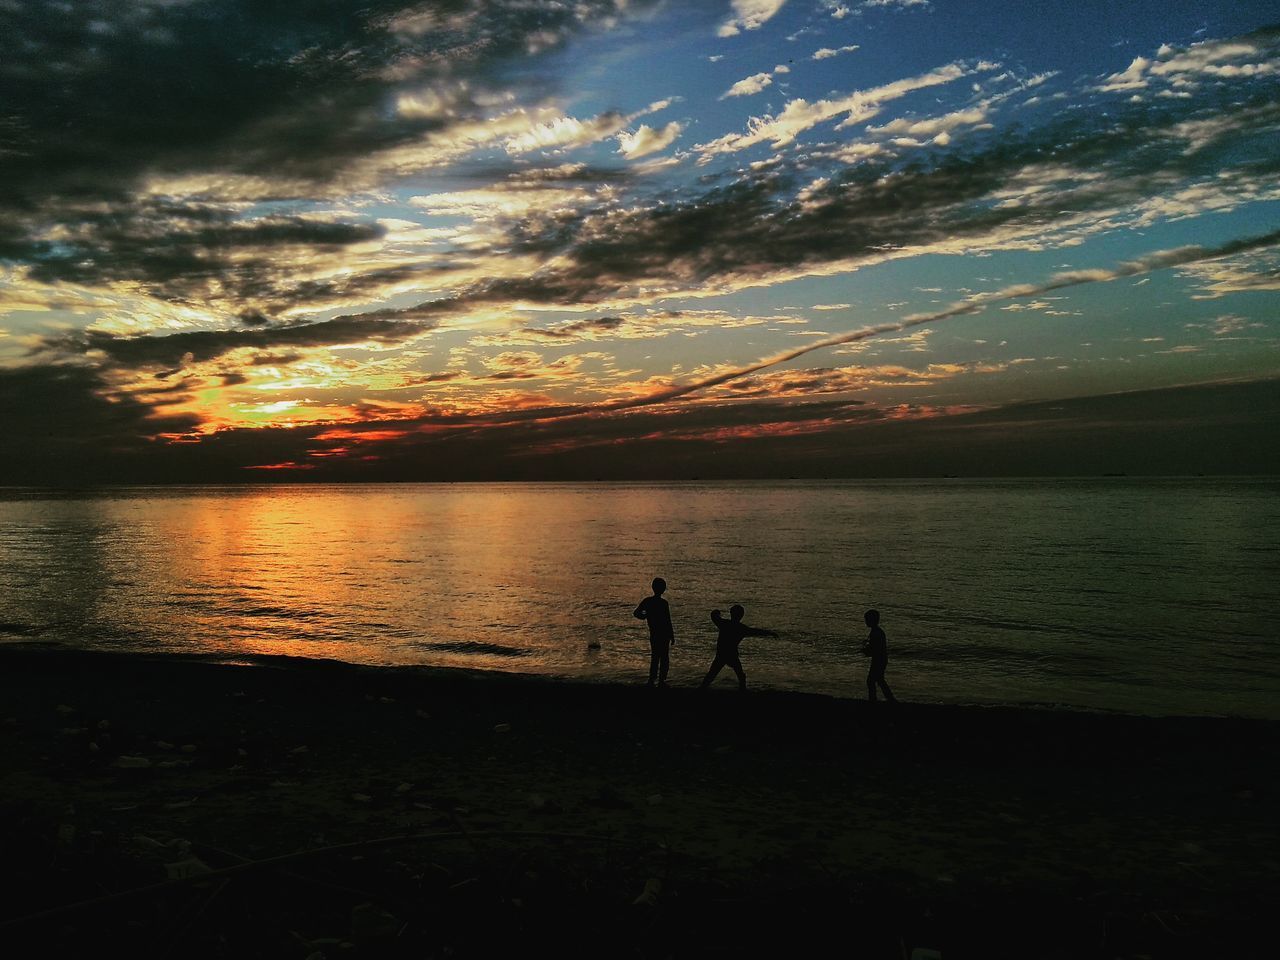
731, 633
876, 647
662, 636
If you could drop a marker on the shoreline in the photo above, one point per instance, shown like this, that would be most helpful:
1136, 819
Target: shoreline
979, 829
35, 648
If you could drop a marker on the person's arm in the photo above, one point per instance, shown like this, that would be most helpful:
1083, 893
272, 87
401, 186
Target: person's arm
715, 617
757, 632
641, 612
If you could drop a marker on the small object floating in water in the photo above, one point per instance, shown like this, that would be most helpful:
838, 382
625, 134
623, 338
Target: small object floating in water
593, 645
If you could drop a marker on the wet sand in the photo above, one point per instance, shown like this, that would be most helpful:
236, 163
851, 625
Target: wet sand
440, 813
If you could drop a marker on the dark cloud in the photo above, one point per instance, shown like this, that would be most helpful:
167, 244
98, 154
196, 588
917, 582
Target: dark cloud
767, 223
96, 97
73, 428
182, 250
95, 94
196, 346
574, 330
1209, 429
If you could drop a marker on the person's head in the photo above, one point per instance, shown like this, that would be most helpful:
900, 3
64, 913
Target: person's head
736, 612
659, 586
872, 618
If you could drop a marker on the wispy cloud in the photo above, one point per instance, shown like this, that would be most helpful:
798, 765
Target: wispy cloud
800, 115
826, 53
749, 15
645, 140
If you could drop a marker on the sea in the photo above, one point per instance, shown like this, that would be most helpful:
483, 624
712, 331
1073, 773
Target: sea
1133, 595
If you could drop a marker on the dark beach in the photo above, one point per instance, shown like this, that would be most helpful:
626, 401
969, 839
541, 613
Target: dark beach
432, 813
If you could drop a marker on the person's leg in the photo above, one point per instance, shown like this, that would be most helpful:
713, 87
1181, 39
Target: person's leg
884, 687
664, 662
654, 657
875, 677
716, 664
736, 664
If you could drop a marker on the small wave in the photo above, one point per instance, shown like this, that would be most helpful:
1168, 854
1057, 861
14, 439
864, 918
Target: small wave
477, 647
988, 653
18, 629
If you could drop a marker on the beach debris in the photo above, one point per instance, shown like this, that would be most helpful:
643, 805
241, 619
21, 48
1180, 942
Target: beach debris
541, 804
125, 762
650, 894
186, 868
502, 728
654, 799
171, 851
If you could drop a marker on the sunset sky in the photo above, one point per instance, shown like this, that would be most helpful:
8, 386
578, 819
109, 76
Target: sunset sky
475, 239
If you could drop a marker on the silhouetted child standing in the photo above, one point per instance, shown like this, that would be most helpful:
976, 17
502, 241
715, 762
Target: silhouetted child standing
662, 636
731, 633
877, 647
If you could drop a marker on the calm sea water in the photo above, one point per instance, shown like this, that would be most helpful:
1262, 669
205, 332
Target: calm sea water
1131, 595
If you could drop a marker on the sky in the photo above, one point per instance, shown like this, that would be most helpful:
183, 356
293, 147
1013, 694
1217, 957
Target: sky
543, 239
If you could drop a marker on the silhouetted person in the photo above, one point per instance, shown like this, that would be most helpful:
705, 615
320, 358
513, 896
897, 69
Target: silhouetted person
877, 647
731, 633
662, 636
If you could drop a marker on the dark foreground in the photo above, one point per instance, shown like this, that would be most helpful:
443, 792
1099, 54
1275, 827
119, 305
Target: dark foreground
171, 807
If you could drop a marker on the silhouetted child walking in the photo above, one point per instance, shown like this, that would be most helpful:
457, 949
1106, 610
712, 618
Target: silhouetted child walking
731, 633
877, 647
662, 636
